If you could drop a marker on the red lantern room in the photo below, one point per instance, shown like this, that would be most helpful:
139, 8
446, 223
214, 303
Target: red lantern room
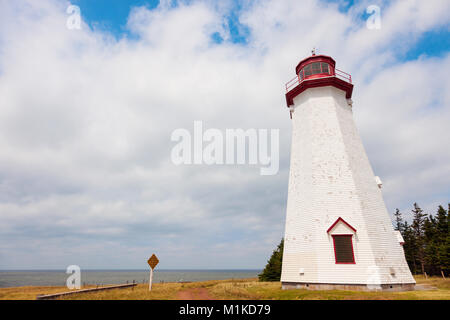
317, 71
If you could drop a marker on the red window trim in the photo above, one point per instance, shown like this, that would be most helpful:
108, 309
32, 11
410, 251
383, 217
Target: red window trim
336, 222
334, 247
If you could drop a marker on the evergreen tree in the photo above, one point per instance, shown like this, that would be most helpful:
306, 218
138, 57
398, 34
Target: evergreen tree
272, 271
418, 230
427, 241
431, 258
442, 239
398, 221
410, 247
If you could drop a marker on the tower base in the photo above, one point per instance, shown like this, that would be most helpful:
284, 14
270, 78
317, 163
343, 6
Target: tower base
350, 287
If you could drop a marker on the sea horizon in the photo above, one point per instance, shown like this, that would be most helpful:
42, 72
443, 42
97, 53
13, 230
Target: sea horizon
187, 269
58, 277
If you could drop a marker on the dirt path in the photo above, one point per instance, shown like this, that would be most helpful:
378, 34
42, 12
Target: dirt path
194, 294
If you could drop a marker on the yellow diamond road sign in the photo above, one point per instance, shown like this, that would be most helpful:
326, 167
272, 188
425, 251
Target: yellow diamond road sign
153, 261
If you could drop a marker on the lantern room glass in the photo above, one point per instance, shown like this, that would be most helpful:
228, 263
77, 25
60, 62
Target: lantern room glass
314, 68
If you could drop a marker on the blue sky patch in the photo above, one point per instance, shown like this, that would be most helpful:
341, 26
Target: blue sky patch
239, 33
110, 15
343, 5
434, 43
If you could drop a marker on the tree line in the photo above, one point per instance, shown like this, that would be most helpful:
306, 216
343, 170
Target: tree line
427, 244
427, 240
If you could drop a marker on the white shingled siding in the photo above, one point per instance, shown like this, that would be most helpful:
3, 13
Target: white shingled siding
331, 177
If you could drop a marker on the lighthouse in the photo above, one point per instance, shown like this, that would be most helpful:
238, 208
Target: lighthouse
338, 232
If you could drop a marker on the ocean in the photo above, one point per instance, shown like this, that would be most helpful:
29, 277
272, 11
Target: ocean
103, 277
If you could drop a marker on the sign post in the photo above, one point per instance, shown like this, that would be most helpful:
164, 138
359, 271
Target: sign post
152, 262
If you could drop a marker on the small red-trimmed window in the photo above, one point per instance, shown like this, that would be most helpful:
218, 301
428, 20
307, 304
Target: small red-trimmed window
343, 249
314, 68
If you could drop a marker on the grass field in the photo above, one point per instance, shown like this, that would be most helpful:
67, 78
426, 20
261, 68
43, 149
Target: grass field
431, 288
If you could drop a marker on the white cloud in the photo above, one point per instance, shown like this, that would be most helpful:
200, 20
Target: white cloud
85, 124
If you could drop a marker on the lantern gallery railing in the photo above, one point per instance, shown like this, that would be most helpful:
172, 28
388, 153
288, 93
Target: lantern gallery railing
291, 84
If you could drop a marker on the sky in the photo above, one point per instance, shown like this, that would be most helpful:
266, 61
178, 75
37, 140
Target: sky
86, 117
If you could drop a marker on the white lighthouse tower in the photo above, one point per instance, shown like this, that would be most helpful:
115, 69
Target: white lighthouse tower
338, 232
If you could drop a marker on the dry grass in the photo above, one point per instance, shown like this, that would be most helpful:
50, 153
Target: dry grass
242, 289
437, 282
160, 291
29, 293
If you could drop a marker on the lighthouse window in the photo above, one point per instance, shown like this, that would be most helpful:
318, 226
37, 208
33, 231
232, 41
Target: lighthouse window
308, 71
315, 67
343, 249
